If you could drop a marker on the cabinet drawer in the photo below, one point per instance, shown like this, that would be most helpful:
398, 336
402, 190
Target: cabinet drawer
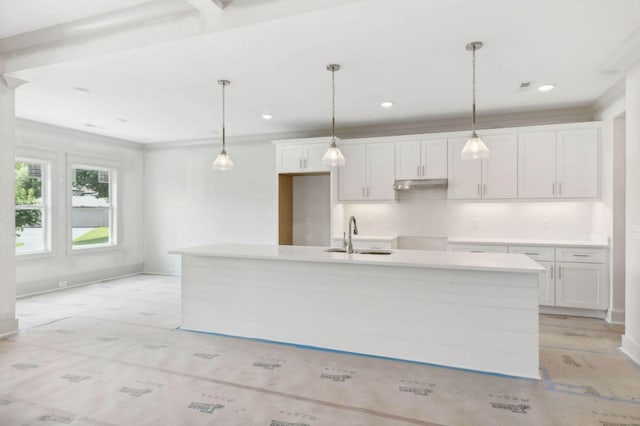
583, 255
534, 252
477, 248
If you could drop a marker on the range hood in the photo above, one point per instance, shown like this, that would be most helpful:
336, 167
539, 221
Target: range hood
420, 184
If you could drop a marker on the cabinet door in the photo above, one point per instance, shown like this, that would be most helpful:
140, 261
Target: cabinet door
581, 285
290, 158
434, 159
500, 170
537, 165
577, 168
380, 171
464, 175
408, 160
547, 284
313, 158
351, 176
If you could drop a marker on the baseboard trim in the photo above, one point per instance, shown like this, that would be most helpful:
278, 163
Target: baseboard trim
574, 312
631, 348
8, 327
615, 316
32, 288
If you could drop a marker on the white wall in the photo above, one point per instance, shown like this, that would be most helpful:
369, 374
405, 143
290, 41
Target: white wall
188, 204
429, 216
61, 146
311, 210
631, 338
8, 321
609, 215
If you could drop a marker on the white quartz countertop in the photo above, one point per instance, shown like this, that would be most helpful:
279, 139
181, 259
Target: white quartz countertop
408, 258
529, 242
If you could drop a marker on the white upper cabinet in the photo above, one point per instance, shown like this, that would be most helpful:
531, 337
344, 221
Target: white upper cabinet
421, 159
465, 176
577, 163
561, 164
537, 165
491, 178
301, 158
500, 170
368, 173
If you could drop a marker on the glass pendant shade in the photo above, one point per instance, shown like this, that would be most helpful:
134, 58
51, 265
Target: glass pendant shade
474, 149
333, 157
223, 162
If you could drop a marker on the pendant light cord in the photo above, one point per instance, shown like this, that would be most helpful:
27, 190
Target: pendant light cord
333, 106
223, 112
473, 85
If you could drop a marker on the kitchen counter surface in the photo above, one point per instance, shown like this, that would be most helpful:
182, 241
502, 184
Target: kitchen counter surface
530, 242
406, 258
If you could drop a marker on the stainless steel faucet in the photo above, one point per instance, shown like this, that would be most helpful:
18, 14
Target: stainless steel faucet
352, 219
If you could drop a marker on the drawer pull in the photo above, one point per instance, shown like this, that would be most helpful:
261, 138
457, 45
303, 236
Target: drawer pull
581, 255
476, 251
532, 254
552, 276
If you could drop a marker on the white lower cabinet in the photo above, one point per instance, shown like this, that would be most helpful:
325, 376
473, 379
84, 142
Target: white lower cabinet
581, 285
547, 284
573, 277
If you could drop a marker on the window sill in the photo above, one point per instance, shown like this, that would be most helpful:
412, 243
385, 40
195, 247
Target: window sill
93, 249
34, 255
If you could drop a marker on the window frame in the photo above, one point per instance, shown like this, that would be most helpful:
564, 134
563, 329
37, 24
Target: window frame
85, 163
45, 207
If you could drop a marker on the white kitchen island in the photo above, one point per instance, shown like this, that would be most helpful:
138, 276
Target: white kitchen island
476, 311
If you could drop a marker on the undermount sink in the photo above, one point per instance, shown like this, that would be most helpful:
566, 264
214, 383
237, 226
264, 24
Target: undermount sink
358, 251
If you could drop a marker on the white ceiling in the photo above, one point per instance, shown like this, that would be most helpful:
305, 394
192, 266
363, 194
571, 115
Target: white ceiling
21, 16
411, 52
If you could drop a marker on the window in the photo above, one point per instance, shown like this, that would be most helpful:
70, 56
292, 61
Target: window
32, 207
93, 218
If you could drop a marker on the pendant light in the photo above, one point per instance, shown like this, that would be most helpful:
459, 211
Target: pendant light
474, 149
223, 161
333, 157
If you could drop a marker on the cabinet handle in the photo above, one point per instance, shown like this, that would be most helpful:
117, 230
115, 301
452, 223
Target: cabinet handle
476, 251
418, 170
581, 255
363, 192
553, 188
422, 171
478, 189
300, 163
532, 254
560, 272
551, 271
560, 188
484, 189
367, 192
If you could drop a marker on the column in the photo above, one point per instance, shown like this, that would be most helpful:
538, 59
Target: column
8, 320
631, 338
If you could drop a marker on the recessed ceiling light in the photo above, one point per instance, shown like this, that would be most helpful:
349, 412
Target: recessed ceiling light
122, 120
267, 116
546, 87
93, 126
386, 104
82, 90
